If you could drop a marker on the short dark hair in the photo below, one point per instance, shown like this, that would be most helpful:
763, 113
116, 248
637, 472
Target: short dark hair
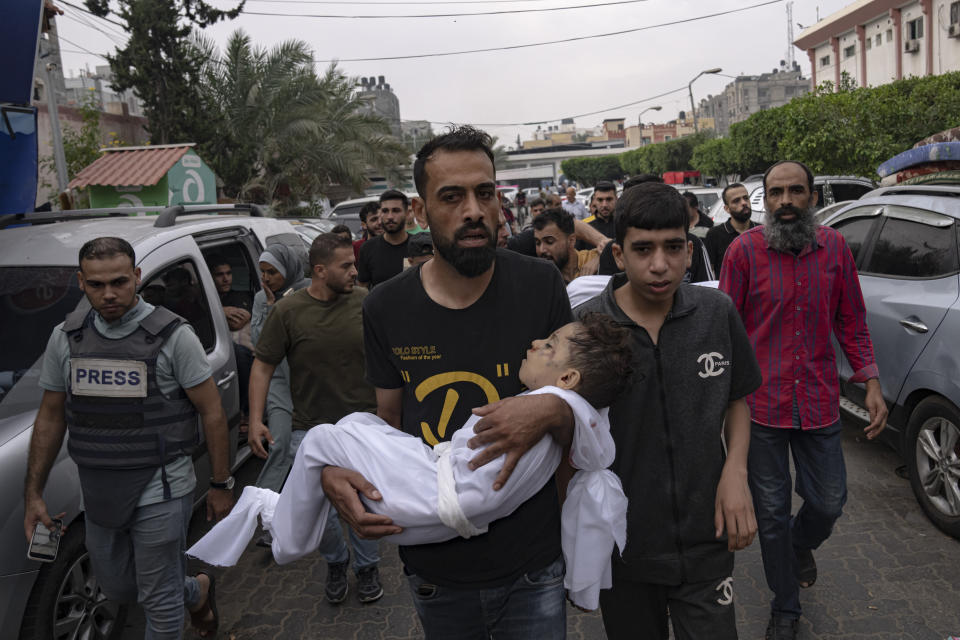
537, 202
214, 260
393, 194
367, 209
641, 179
650, 206
106, 247
723, 194
323, 246
463, 138
605, 186
601, 350
805, 168
691, 199
342, 228
559, 217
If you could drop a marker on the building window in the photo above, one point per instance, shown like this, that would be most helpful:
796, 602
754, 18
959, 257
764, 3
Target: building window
869, 43
915, 29
880, 39
954, 12
889, 35
825, 61
849, 52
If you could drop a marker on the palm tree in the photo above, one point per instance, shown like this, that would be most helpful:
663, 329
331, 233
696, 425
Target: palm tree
283, 133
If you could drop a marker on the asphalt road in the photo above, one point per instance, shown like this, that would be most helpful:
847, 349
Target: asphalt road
885, 573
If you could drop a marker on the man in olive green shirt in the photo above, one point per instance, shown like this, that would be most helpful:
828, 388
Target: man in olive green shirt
319, 331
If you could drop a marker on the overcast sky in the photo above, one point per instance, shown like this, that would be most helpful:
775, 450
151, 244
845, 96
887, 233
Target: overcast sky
521, 85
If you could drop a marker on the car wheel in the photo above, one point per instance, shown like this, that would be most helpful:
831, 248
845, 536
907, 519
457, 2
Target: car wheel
66, 600
933, 460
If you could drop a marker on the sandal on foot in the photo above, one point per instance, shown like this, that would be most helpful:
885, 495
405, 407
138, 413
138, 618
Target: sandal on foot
805, 567
206, 628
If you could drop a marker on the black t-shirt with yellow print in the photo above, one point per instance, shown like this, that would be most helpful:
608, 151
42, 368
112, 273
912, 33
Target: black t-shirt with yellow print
449, 361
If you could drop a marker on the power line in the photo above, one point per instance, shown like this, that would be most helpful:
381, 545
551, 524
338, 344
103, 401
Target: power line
565, 40
83, 50
440, 15
82, 23
579, 115
105, 19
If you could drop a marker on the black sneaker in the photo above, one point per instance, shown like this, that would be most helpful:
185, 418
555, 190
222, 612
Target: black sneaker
780, 628
266, 540
369, 588
336, 588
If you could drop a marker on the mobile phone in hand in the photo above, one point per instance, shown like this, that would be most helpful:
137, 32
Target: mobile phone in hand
45, 543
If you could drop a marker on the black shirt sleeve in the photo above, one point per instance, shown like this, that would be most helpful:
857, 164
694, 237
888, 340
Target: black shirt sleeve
380, 372
698, 268
712, 243
363, 262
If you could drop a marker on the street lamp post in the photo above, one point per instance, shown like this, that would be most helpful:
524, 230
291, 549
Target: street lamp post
696, 127
640, 120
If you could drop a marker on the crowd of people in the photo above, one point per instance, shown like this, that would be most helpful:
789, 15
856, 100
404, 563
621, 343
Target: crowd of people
429, 320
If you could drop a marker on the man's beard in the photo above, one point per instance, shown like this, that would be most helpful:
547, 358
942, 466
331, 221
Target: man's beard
393, 227
794, 235
470, 262
741, 216
561, 261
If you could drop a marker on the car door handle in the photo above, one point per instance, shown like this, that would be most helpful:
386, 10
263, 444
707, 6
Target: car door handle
914, 325
227, 378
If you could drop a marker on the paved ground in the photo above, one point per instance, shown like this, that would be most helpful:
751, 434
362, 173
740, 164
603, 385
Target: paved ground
885, 573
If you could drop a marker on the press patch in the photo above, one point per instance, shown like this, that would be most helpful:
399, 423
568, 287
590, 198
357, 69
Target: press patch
108, 378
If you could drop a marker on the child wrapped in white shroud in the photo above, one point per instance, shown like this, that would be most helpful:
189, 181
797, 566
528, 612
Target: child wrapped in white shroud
434, 496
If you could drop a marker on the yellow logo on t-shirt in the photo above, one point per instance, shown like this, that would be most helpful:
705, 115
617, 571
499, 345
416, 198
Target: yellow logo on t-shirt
441, 380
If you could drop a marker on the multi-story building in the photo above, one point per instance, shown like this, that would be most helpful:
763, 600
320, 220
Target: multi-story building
879, 41
650, 133
747, 95
380, 100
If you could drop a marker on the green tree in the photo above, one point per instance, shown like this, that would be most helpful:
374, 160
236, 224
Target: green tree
714, 157
280, 133
82, 146
160, 63
590, 171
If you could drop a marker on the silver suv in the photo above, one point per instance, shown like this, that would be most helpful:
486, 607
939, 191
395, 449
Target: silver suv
905, 242
38, 287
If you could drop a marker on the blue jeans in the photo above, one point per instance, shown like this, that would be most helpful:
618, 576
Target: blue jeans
333, 549
144, 562
532, 608
821, 482
280, 456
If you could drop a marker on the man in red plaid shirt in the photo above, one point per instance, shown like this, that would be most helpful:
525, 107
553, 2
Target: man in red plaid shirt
794, 282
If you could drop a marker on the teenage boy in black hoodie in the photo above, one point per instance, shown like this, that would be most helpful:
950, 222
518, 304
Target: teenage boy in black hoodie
689, 503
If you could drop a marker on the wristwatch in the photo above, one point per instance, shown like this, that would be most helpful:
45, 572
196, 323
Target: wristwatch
226, 484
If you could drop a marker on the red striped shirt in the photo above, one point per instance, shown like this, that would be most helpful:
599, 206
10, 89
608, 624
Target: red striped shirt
789, 305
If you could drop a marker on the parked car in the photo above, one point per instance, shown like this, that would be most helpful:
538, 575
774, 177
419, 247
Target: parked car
905, 243
584, 195
310, 228
532, 193
348, 213
38, 287
719, 215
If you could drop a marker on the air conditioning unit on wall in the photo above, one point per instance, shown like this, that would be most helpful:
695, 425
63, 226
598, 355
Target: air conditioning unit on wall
911, 46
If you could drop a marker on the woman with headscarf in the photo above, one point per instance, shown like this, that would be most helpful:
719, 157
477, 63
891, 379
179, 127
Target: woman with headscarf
281, 273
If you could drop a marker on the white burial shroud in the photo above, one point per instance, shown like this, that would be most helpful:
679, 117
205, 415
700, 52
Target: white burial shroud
434, 496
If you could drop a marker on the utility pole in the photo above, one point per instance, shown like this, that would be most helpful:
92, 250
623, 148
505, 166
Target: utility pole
58, 157
790, 55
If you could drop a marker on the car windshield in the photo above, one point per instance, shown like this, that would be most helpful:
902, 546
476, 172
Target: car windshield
34, 300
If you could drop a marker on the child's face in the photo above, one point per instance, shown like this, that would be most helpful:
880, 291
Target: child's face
546, 360
655, 262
